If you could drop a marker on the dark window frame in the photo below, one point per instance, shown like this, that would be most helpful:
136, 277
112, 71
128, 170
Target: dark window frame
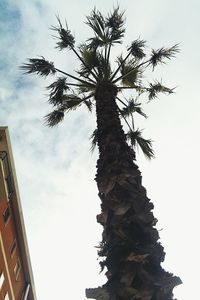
6, 214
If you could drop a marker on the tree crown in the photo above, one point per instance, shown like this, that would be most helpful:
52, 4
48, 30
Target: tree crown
69, 91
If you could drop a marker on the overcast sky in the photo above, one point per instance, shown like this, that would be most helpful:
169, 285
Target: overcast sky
55, 167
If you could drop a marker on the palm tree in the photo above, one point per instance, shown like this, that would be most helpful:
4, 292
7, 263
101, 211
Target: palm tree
130, 247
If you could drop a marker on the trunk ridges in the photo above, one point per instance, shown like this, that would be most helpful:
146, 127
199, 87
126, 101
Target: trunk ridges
129, 248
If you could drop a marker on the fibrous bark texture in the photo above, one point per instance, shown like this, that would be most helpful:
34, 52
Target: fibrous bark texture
130, 249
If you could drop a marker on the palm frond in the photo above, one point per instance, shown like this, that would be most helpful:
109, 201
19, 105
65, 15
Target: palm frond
106, 30
97, 22
65, 38
94, 43
159, 55
129, 71
84, 88
89, 56
88, 103
136, 49
94, 140
115, 23
57, 89
90, 60
116, 20
103, 67
131, 107
39, 66
54, 117
135, 137
71, 102
156, 88
79, 80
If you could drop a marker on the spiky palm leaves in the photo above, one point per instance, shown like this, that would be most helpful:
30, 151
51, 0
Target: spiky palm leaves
39, 66
158, 55
94, 56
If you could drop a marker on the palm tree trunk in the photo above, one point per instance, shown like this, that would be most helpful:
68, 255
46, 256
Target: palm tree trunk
129, 248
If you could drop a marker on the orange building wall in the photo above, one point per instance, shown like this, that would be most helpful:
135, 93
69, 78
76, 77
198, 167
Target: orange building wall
15, 285
5, 287
8, 235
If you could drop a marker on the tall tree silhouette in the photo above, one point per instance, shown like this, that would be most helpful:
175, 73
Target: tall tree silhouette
130, 247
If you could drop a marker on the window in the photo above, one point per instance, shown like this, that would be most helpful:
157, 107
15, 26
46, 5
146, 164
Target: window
6, 214
17, 268
1, 279
6, 168
6, 297
13, 248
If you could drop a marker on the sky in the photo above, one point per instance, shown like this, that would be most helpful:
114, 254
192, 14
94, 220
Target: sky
55, 167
